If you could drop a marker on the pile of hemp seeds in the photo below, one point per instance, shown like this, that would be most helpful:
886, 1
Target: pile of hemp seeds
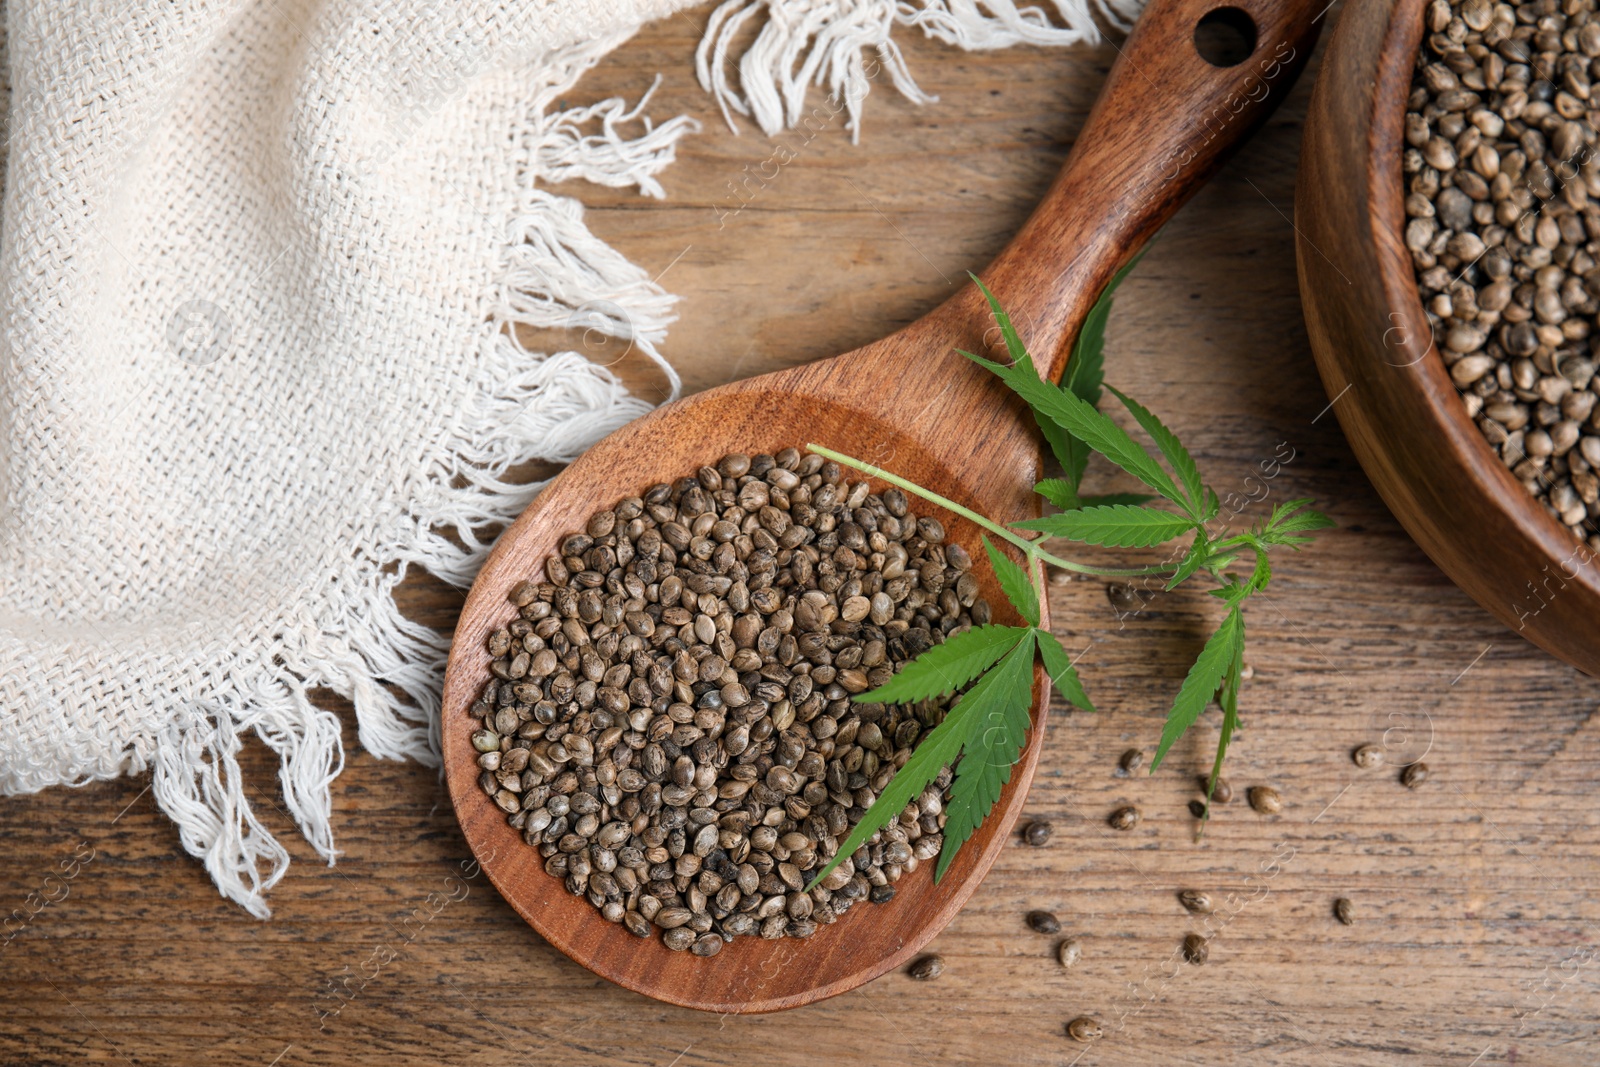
1503, 227
669, 719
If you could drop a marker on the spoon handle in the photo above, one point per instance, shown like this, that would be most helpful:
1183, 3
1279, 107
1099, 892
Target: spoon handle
1166, 119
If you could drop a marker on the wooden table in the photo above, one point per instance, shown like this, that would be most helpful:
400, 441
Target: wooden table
1472, 894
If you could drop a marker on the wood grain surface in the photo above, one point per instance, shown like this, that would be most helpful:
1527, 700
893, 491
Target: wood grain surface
1472, 894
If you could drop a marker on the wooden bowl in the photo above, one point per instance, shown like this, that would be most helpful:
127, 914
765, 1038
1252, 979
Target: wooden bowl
1386, 379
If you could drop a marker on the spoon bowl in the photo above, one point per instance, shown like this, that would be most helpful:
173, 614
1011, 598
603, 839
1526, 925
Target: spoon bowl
749, 974
907, 403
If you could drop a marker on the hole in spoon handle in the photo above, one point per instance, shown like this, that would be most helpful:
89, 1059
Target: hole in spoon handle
1226, 36
1191, 82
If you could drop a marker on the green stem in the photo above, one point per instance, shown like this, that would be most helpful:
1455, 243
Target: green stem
1104, 572
1030, 548
912, 487
1036, 576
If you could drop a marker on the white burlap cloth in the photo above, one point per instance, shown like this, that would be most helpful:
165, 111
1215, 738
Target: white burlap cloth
259, 265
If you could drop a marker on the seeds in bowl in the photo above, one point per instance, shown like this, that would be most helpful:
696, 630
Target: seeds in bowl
669, 717
1503, 228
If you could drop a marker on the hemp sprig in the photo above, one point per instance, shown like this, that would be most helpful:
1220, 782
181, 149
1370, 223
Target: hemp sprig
992, 666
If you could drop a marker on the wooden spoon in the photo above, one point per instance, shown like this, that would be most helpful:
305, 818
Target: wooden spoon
1382, 366
908, 403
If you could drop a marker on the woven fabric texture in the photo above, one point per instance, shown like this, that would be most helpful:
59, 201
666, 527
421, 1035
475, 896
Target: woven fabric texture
260, 267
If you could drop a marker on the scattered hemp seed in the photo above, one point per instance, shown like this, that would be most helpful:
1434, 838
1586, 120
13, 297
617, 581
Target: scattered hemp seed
1367, 757
1265, 799
1069, 951
1414, 775
1043, 922
1132, 760
1124, 818
1195, 901
1084, 1029
1196, 949
1342, 912
1124, 598
926, 969
1037, 833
